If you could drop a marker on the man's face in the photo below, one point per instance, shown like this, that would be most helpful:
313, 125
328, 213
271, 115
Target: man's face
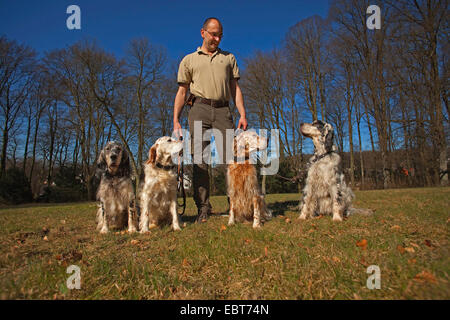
212, 35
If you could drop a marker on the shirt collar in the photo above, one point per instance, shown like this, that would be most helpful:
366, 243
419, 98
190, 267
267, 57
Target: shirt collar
199, 51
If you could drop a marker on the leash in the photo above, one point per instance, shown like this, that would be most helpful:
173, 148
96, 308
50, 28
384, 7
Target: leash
180, 186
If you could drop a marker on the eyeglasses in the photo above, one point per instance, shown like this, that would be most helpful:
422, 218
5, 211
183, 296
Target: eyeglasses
215, 35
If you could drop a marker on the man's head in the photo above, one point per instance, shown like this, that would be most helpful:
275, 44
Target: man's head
212, 33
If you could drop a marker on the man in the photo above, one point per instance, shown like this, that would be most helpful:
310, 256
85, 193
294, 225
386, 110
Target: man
212, 77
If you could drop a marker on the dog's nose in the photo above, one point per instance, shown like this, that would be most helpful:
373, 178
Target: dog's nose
113, 157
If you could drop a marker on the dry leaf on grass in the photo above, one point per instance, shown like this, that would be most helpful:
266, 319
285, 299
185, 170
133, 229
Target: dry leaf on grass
134, 242
362, 244
266, 251
287, 220
410, 250
185, 262
395, 228
425, 276
401, 249
223, 228
412, 261
428, 243
336, 259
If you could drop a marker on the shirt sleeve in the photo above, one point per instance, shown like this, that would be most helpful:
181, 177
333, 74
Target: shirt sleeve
234, 68
184, 72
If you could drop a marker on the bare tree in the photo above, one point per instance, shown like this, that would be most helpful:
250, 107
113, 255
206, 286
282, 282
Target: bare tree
16, 70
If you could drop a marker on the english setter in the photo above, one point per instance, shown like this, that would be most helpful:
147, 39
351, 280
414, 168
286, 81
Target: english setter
246, 199
325, 191
115, 192
159, 194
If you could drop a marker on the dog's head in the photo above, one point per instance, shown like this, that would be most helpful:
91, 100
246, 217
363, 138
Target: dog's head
163, 150
247, 142
114, 160
321, 133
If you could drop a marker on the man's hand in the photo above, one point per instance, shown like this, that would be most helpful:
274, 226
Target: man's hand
180, 98
243, 123
177, 129
236, 94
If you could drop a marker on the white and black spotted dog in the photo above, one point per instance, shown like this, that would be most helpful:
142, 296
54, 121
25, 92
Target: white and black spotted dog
325, 191
117, 207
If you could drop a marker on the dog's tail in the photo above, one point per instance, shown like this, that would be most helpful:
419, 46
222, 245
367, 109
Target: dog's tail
360, 211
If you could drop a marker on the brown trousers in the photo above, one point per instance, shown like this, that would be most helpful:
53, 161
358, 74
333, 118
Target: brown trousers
211, 118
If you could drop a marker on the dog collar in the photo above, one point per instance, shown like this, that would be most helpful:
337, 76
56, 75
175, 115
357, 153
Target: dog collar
322, 156
168, 168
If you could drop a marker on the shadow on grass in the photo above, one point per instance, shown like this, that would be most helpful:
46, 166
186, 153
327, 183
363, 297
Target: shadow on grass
280, 207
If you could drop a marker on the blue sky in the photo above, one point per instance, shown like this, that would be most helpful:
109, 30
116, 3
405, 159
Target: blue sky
248, 24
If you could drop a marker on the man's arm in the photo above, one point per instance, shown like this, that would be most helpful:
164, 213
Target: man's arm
178, 105
238, 100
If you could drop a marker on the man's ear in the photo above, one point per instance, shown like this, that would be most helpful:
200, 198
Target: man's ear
152, 154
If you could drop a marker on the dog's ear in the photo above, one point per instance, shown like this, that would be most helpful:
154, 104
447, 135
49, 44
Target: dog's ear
101, 165
125, 163
329, 137
152, 154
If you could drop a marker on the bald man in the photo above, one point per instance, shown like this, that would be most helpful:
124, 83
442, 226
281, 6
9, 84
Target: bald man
211, 75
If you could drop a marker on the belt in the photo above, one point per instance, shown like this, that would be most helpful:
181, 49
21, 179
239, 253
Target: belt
213, 103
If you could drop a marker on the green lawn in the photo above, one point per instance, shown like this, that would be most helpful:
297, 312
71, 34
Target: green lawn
408, 238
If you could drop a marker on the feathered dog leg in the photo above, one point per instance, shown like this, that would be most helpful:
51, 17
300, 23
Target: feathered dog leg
132, 217
103, 220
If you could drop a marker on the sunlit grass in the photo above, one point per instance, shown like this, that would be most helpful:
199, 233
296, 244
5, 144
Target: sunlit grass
286, 259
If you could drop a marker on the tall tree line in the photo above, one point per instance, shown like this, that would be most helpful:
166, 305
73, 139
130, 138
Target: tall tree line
384, 91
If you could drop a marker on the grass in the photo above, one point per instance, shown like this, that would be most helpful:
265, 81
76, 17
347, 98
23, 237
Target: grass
287, 259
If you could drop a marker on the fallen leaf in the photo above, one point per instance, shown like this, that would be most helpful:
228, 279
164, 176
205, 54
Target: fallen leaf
428, 243
185, 262
255, 260
247, 241
410, 250
425, 276
395, 228
336, 259
45, 238
223, 228
287, 220
415, 245
412, 261
362, 244
134, 242
266, 251
401, 249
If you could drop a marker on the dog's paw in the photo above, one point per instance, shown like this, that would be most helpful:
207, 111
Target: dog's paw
337, 218
257, 226
230, 222
104, 231
132, 230
176, 228
143, 231
302, 217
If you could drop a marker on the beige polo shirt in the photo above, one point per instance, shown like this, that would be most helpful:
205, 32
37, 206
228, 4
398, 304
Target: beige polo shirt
209, 76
